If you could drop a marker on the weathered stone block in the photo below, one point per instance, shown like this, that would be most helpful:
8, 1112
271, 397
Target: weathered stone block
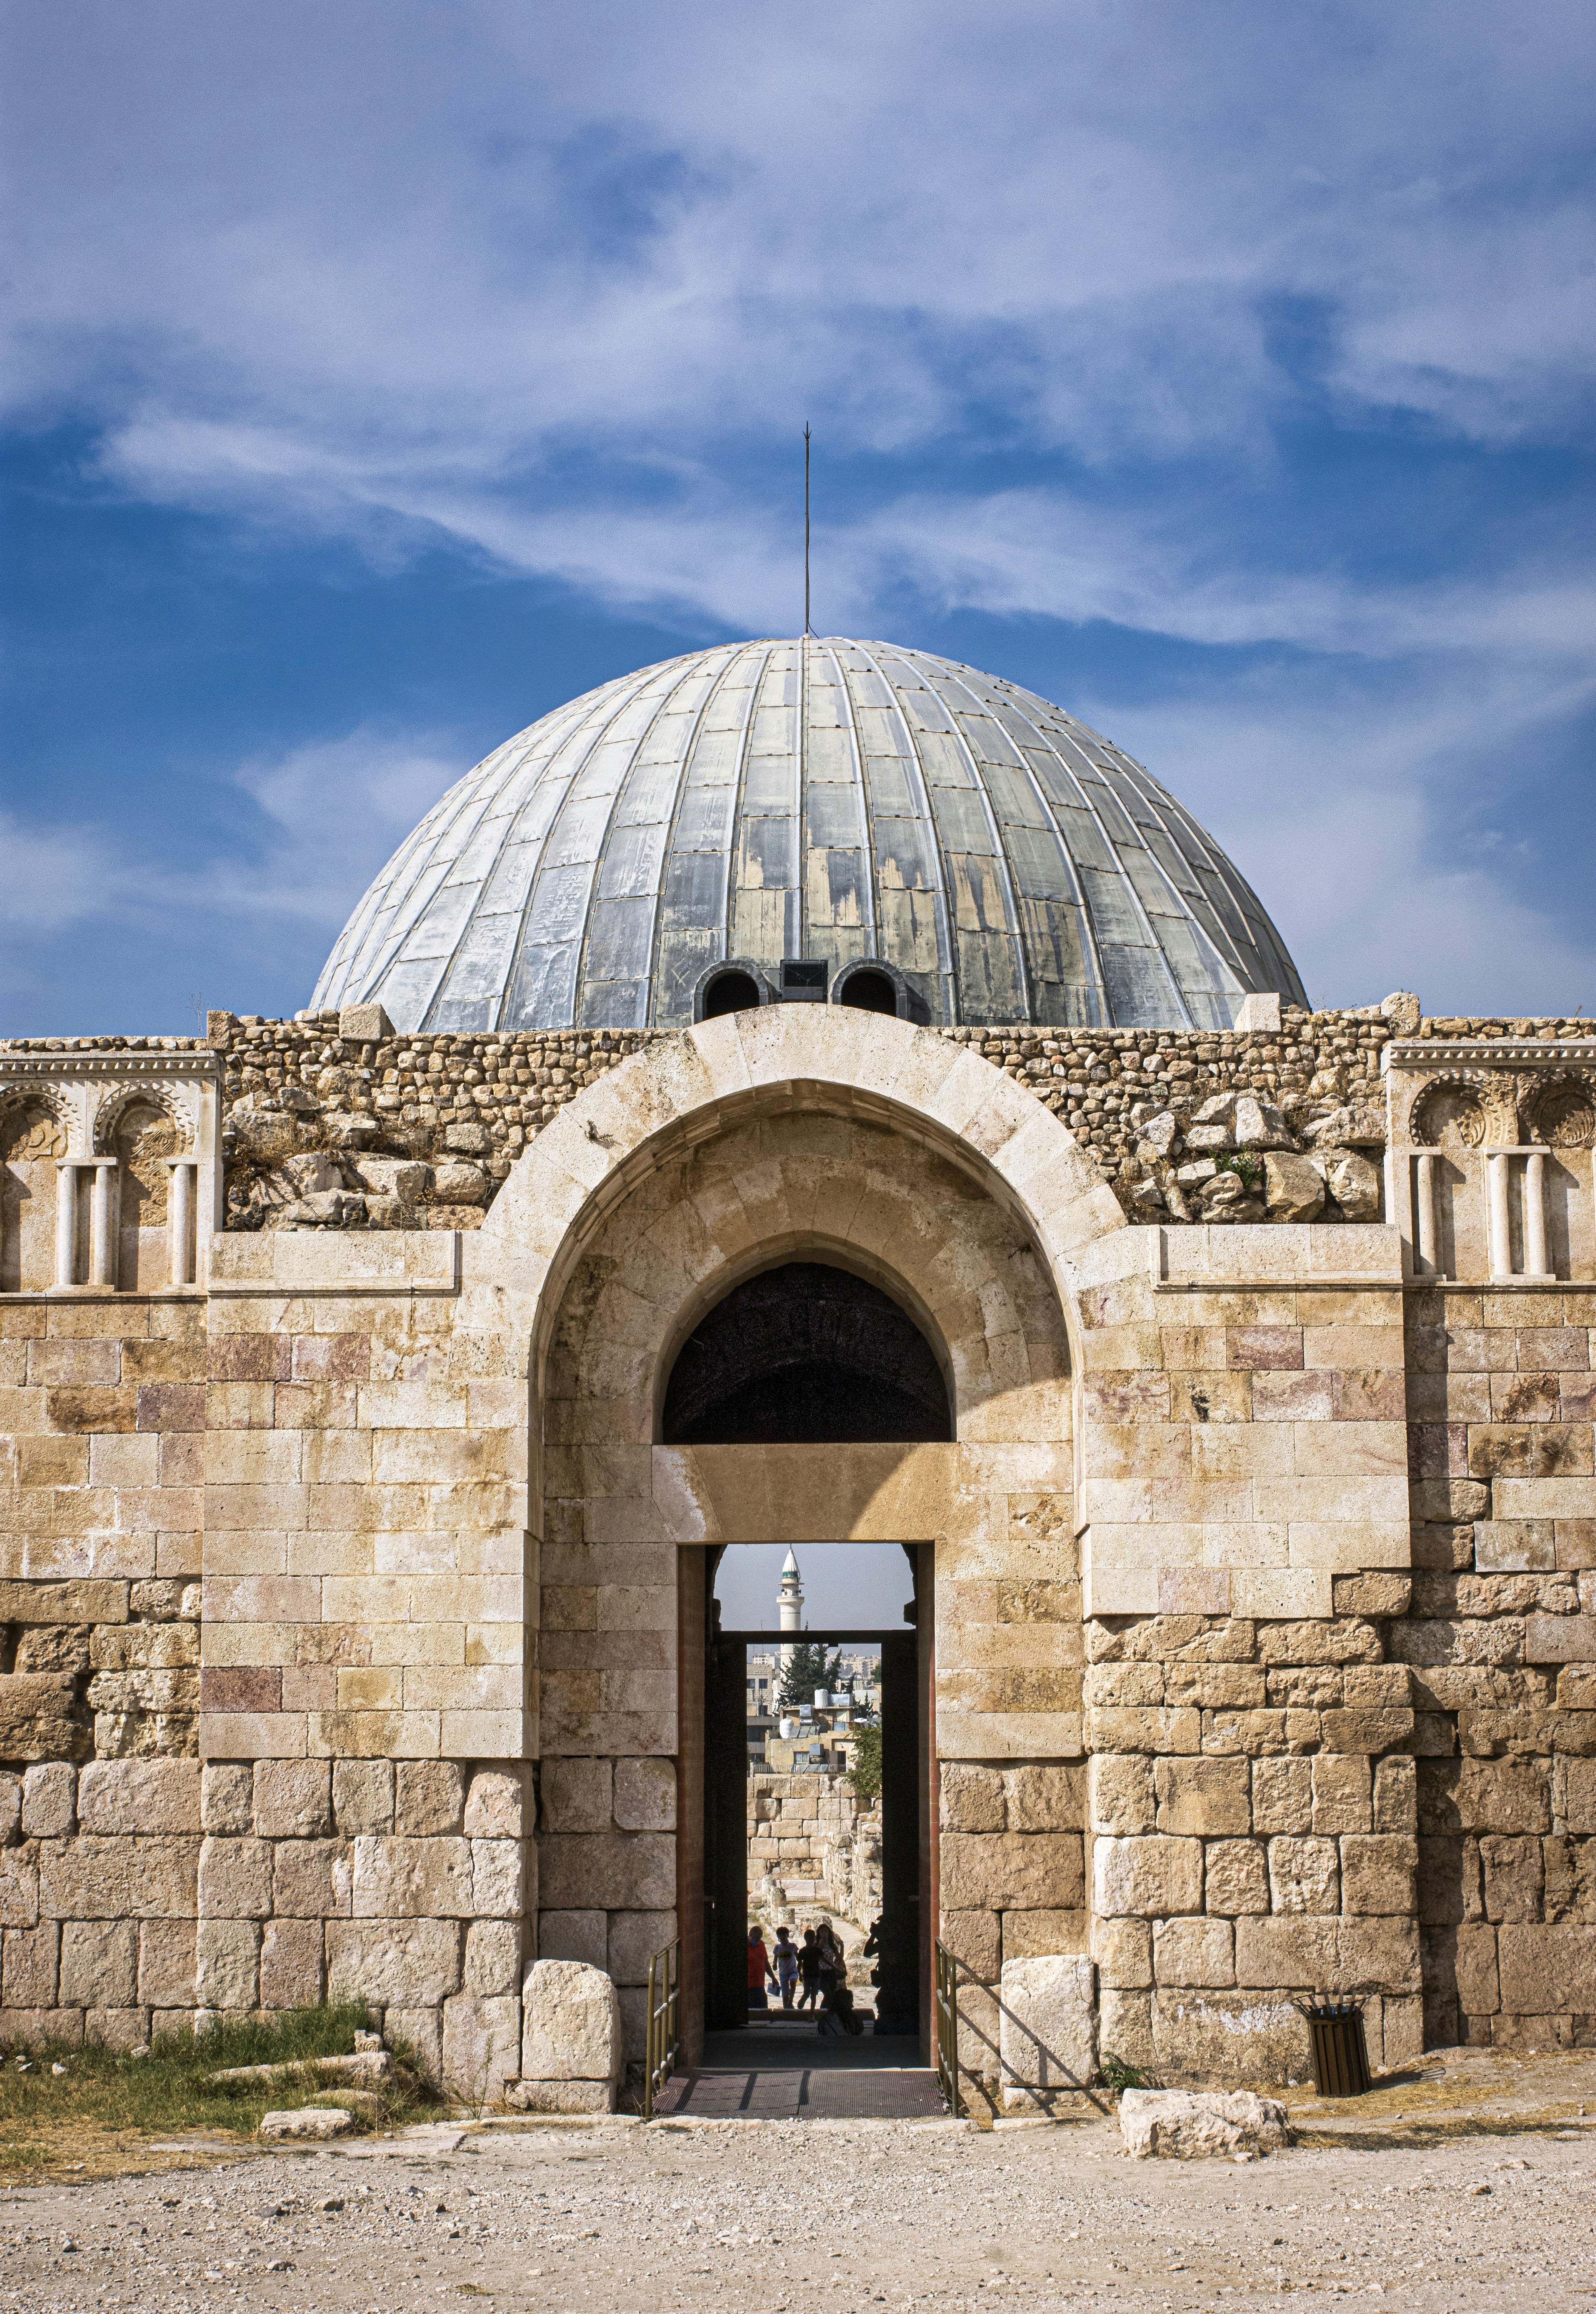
415, 1963
1179, 2126
28, 1971
976, 1938
645, 1795
1122, 1951
167, 1959
495, 1802
1193, 1952
40, 1718
1047, 2033
571, 2028
617, 1872
1160, 1732
1545, 1971
293, 1798
1043, 1797
1396, 1796
1379, 1872
580, 1936
50, 1801
496, 1891
1206, 1797
1028, 1871
429, 1798
1236, 1877
226, 1972
481, 2044
1151, 1877
1342, 1789
970, 1799
139, 1796
1120, 1795
401, 1879
1304, 1875
1508, 1796
1125, 2026
1281, 1795
363, 1795
1290, 1955
310, 1879
228, 1797
493, 1960
291, 1970
235, 1879
633, 1939
1514, 1878
561, 2097
99, 1963
577, 1795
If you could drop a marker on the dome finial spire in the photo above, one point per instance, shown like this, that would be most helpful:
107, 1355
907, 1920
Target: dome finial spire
807, 629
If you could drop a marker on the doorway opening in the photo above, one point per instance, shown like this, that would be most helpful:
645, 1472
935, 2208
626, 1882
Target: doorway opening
806, 1776
815, 1815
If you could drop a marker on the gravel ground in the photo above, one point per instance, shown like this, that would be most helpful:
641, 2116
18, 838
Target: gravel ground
1485, 2202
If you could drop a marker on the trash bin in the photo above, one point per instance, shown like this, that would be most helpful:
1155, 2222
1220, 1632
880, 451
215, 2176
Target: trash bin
1340, 2053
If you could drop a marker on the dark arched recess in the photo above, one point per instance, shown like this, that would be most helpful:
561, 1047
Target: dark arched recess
802, 1354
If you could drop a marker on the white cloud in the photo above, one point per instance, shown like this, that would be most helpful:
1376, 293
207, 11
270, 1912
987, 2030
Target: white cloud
330, 814
1368, 827
450, 249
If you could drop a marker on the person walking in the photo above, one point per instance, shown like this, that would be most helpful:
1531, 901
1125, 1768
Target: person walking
808, 1969
759, 1972
831, 1971
787, 1966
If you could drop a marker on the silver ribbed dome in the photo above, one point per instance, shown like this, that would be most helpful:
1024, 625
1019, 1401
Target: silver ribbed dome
815, 799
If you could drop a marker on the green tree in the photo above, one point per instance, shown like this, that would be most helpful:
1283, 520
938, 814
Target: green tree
865, 1774
808, 1667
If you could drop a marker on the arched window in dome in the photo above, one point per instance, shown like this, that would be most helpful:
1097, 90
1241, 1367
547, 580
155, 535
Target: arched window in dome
735, 986
871, 985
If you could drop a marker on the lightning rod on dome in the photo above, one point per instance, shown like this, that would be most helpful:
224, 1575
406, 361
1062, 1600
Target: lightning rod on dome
808, 629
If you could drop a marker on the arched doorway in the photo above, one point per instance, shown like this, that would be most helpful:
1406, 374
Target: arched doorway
810, 1355
805, 1176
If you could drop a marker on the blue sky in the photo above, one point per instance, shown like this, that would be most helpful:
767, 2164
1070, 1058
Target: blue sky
380, 376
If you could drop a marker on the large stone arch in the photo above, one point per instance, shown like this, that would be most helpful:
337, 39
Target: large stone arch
750, 1139
749, 1064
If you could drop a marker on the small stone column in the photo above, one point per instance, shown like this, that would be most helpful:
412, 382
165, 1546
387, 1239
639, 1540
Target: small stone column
1499, 1222
66, 1222
1535, 1255
1427, 1219
179, 1218
102, 1221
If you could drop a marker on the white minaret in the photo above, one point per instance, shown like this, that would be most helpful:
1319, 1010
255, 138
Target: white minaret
789, 1602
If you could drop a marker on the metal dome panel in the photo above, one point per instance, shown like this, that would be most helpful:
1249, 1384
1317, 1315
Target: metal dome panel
818, 797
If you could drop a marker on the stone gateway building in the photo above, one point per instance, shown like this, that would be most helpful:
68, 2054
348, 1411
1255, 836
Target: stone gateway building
1222, 1367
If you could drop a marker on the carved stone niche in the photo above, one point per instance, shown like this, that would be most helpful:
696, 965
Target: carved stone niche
1449, 1114
1558, 1112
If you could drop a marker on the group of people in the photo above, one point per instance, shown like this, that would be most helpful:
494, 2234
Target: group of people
813, 1975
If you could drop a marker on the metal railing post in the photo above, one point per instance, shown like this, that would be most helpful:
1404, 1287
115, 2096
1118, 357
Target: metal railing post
662, 2049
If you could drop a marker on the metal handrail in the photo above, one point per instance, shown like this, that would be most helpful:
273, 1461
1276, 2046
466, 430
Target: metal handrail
949, 2071
663, 2049
945, 2019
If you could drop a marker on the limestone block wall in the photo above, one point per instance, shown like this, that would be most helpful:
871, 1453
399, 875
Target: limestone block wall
1501, 1650
607, 1871
102, 1407
1244, 1503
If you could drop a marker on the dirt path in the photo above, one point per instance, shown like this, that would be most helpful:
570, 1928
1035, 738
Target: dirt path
1468, 2185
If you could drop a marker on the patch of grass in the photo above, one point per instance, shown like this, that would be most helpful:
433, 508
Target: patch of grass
1118, 2077
106, 2101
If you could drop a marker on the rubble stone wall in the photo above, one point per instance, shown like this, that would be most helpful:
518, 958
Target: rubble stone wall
812, 1842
